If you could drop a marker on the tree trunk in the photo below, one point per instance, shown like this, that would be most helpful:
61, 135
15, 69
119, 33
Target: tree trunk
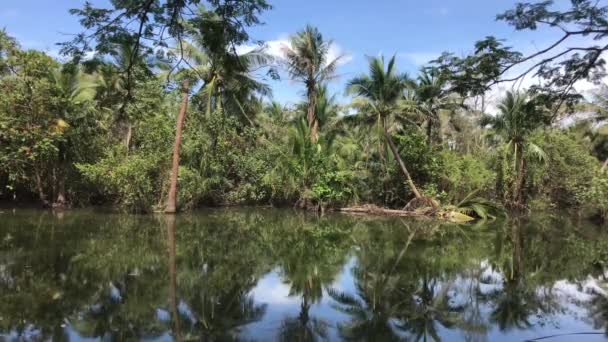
388, 139
312, 122
429, 133
604, 166
129, 135
314, 134
41, 194
172, 196
519, 178
60, 201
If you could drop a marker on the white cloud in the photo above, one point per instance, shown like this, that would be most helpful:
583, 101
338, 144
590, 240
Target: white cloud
275, 48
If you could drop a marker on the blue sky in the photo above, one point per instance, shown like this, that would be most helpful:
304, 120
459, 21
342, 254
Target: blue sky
416, 31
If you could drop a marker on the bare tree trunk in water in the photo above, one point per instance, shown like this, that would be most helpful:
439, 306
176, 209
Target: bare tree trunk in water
170, 221
388, 138
172, 196
604, 166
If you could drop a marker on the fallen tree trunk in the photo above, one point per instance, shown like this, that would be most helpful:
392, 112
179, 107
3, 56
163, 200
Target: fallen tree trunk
374, 210
429, 212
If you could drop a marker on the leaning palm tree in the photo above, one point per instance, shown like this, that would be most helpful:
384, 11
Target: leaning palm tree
383, 89
307, 61
519, 115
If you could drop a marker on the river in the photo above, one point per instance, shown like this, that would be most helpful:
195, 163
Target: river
266, 274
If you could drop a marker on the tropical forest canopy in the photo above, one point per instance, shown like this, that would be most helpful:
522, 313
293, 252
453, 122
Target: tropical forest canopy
155, 106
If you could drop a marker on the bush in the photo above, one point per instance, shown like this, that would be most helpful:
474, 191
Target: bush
133, 181
596, 195
465, 175
333, 188
568, 168
223, 162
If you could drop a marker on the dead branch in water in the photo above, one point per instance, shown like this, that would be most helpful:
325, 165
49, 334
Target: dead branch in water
375, 210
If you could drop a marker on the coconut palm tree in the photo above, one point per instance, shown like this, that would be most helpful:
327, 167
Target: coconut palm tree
383, 89
115, 77
225, 84
307, 61
519, 115
77, 90
431, 97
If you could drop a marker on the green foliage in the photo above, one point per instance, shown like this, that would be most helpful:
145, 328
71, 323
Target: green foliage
102, 131
222, 164
131, 181
333, 188
596, 195
464, 175
567, 168
414, 151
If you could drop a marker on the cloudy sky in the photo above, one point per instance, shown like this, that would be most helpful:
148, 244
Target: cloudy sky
415, 31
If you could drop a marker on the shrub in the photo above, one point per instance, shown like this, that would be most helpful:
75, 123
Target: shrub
133, 181
596, 195
567, 168
465, 175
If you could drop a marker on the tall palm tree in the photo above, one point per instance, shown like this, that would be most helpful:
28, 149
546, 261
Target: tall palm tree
227, 84
383, 88
77, 91
431, 97
307, 61
115, 77
519, 115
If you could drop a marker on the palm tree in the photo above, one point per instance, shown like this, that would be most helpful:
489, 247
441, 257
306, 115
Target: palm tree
431, 97
519, 115
227, 84
116, 85
77, 91
383, 88
307, 62
181, 118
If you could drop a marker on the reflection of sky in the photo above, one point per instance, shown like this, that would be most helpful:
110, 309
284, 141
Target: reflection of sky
570, 316
272, 290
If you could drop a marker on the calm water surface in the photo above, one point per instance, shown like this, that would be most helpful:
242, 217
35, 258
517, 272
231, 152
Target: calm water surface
269, 274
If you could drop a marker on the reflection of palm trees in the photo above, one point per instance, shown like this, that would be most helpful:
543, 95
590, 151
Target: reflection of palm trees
430, 307
219, 316
518, 299
214, 284
382, 296
598, 309
310, 260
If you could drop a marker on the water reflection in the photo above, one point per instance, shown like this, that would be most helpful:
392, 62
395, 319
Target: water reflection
231, 275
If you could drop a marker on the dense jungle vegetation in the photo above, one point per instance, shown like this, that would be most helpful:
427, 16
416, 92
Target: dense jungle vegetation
153, 108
